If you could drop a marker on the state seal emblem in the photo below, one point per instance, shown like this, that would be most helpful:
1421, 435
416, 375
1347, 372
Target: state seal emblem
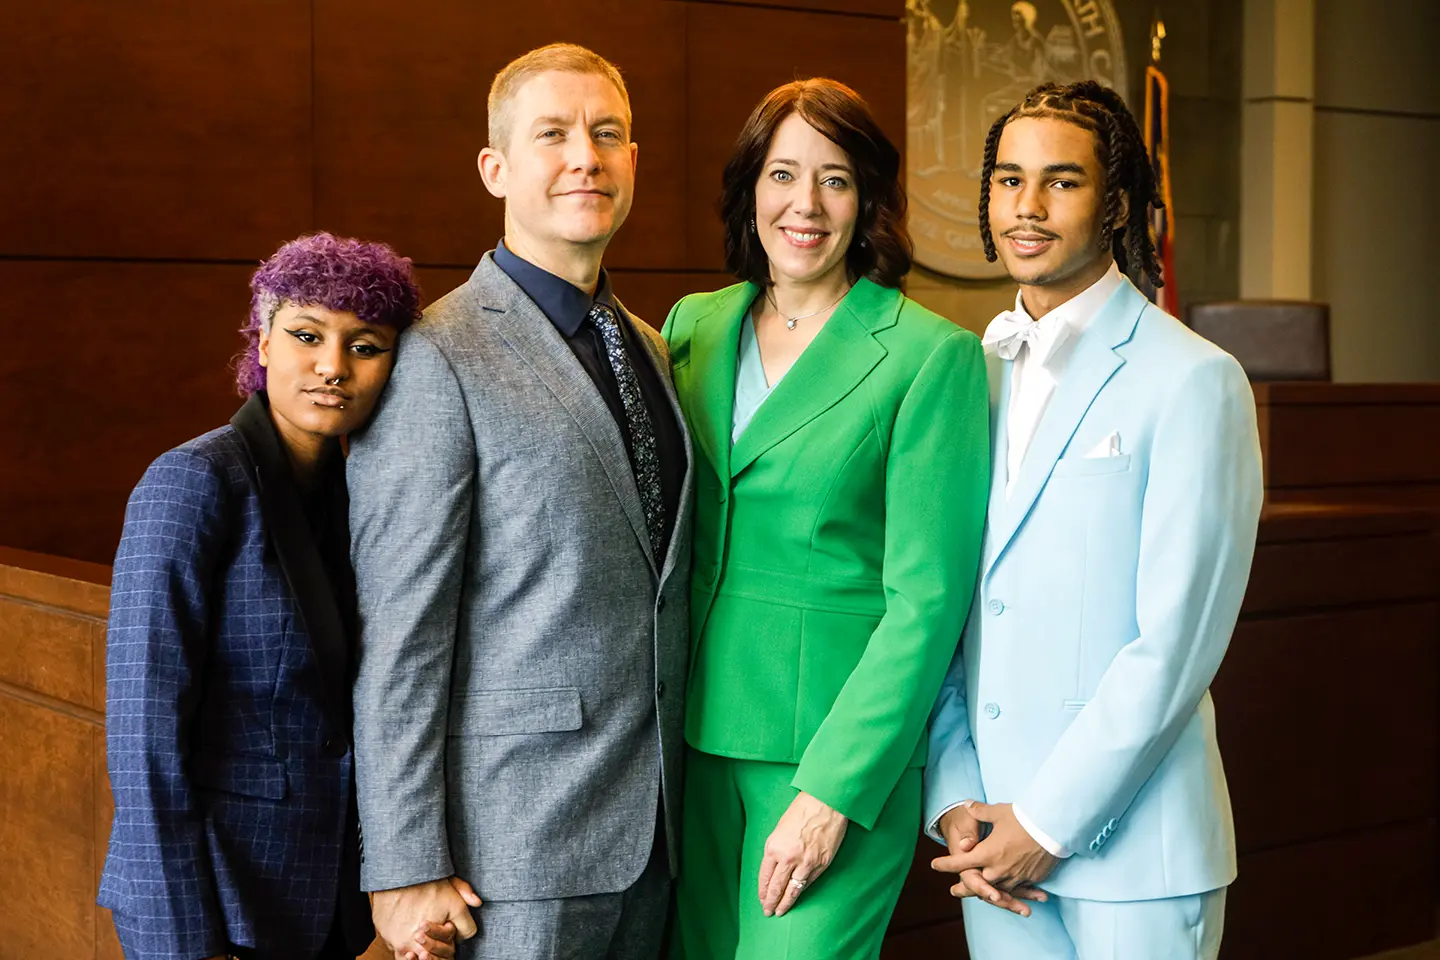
968, 63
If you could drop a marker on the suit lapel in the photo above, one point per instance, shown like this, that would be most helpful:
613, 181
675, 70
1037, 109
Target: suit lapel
841, 355
661, 364
527, 330
714, 347
1091, 366
289, 530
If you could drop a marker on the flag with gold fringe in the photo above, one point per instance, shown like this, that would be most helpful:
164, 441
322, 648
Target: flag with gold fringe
1162, 220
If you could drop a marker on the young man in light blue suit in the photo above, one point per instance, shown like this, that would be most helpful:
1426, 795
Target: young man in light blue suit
1074, 772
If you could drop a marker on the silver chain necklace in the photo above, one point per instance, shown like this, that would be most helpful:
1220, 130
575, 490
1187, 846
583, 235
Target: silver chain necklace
791, 321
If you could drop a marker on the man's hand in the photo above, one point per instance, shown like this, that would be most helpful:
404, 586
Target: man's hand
1008, 859
961, 831
421, 922
799, 849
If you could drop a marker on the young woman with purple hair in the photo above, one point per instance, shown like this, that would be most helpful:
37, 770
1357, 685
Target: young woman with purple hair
232, 618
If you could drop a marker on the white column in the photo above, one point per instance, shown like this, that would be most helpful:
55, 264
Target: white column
1277, 149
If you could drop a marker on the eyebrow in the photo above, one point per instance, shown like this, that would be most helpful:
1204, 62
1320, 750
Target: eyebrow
1050, 169
823, 166
363, 329
566, 121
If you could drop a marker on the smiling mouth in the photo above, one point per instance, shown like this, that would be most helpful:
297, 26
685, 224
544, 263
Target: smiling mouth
804, 238
1027, 242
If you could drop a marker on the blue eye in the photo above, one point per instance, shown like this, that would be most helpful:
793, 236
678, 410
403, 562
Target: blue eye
782, 176
839, 183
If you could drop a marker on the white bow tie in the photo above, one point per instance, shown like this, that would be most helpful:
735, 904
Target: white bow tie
1012, 329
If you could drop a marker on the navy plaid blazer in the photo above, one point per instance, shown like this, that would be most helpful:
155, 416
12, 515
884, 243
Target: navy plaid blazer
227, 711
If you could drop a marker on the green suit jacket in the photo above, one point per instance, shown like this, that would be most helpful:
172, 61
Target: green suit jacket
837, 543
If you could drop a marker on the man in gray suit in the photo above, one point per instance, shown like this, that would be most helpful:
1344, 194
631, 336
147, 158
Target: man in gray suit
521, 544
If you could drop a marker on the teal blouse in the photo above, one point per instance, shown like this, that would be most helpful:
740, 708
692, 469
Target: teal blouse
751, 388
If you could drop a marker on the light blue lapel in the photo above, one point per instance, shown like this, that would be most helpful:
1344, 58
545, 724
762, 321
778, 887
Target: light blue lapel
1091, 366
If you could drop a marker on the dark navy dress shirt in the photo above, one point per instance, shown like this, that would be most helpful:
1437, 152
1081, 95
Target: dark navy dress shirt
568, 308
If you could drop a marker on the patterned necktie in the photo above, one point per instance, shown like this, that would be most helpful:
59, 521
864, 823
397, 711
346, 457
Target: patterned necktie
645, 461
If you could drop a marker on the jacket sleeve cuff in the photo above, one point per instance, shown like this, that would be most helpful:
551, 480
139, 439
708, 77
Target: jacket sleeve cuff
932, 829
1053, 847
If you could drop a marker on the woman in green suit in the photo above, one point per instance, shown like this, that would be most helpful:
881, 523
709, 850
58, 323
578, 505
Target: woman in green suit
841, 490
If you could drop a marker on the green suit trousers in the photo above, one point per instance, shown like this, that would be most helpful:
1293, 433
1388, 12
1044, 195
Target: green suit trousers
731, 807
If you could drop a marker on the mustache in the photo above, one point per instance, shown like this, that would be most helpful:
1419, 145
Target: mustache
1037, 231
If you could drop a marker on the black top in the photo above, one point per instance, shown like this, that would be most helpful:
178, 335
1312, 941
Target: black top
568, 307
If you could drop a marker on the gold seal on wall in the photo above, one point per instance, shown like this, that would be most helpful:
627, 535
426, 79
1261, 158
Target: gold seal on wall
969, 63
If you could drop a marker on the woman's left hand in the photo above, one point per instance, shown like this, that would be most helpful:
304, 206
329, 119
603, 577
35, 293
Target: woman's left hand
799, 849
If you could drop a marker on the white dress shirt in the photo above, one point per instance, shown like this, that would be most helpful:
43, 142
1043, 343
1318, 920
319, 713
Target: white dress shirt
1040, 351
1040, 357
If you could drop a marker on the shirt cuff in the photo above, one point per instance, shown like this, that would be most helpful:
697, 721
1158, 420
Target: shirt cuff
932, 829
1040, 836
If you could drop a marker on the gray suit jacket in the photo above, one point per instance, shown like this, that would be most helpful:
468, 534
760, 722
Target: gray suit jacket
519, 700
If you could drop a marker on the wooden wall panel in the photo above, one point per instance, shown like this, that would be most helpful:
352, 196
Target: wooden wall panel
154, 128
400, 118
1312, 901
1423, 494
106, 366
1336, 572
50, 652
1337, 684
46, 843
886, 9
1318, 435
737, 54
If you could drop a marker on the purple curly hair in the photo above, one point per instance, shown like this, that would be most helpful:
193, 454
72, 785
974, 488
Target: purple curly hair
367, 279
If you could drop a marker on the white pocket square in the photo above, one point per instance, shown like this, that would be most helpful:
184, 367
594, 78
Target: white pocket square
1109, 447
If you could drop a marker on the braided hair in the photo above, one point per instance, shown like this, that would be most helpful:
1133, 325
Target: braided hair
1121, 150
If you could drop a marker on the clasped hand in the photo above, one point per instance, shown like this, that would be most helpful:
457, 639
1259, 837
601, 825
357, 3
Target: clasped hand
422, 922
1001, 869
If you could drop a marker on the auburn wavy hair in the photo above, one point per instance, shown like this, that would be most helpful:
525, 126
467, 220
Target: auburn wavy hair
880, 248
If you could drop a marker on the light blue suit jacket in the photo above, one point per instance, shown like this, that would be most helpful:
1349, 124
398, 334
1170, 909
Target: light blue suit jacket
1106, 599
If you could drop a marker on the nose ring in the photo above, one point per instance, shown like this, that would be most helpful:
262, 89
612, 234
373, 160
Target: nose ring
333, 381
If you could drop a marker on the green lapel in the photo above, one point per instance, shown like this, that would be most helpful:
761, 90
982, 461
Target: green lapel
841, 355
714, 345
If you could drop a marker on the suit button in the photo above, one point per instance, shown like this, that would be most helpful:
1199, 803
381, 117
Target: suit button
660, 690
995, 607
992, 710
